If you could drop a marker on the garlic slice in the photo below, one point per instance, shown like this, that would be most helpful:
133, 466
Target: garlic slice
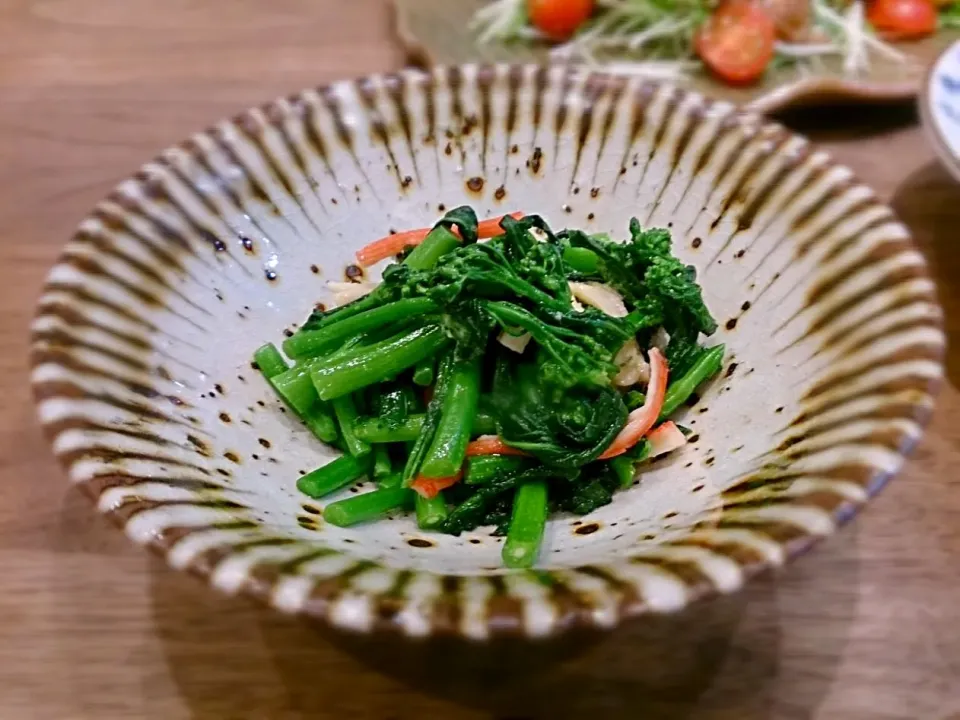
601, 296
517, 343
633, 367
347, 292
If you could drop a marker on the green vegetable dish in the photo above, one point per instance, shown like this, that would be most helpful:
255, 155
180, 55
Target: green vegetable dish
499, 373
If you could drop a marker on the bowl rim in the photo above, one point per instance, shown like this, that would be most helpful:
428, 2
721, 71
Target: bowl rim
509, 623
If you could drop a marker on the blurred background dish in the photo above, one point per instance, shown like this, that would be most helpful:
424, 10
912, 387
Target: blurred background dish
823, 52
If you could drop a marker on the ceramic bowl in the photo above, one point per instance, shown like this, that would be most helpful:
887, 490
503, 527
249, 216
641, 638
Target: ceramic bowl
940, 107
144, 333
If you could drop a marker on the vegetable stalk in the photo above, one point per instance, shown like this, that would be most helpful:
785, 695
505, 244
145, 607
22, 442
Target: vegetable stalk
269, 360
387, 360
381, 461
484, 468
368, 506
438, 243
707, 366
375, 430
430, 512
346, 411
526, 525
311, 343
449, 447
333, 476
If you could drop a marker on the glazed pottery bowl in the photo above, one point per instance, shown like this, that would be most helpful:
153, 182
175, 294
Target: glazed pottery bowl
144, 333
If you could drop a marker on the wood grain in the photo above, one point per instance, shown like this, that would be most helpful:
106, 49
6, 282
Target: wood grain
863, 627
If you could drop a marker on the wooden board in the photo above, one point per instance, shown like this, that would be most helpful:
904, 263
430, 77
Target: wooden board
866, 626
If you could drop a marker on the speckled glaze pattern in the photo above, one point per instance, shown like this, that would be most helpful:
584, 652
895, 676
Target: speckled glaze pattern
144, 333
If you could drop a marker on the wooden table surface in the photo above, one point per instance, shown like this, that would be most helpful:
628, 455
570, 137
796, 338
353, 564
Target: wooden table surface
867, 626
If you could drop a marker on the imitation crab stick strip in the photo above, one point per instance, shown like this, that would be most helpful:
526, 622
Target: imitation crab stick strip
429, 488
665, 438
491, 445
398, 242
643, 418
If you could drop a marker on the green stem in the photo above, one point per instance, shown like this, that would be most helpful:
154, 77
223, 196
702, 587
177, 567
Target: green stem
381, 462
393, 480
321, 422
624, 468
368, 506
581, 260
431, 513
423, 373
449, 447
438, 243
295, 388
380, 362
346, 411
376, 430
311, 343
295, 385
680, 390
344, 312
337, 474
269, 360
431, 420
526, 525
483, 469
303, 401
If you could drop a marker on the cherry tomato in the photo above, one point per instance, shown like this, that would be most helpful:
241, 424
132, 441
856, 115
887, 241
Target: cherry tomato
903, 19
559, 19
736, 42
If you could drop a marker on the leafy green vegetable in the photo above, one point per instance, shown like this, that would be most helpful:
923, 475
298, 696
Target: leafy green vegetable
682, 351
593, 489
656, 285
482, 505
569, 359
648, 276
562, 427
435, 317
464, 218
469, 326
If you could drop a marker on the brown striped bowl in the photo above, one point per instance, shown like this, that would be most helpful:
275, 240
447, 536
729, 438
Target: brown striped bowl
144, 332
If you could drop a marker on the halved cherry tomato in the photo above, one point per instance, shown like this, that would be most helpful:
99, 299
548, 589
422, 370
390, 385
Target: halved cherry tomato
903, 19
559, 19
736, 42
